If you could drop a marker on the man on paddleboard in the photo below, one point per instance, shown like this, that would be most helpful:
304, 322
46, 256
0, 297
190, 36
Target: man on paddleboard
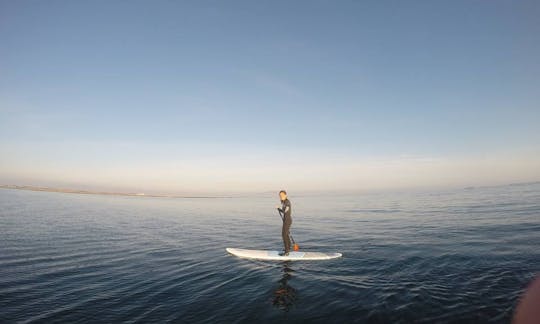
285, 211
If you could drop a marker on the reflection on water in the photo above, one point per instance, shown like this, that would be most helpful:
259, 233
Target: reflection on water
285, 295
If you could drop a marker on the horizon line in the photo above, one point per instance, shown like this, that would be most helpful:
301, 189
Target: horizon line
228, 196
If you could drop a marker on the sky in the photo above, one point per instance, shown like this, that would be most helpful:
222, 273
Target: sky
240, 96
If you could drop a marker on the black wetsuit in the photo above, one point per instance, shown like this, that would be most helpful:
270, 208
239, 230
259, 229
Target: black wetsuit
285, 211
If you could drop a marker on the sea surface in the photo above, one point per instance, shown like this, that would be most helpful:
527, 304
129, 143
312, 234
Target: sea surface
450, 256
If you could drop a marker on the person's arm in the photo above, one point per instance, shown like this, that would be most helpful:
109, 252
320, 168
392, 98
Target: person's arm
287, 207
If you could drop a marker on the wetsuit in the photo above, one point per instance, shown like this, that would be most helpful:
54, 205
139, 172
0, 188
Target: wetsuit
285, 211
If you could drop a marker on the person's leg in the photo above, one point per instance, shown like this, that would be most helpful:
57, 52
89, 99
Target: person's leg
285, 235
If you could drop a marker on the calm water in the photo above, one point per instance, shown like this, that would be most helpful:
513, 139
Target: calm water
456, 256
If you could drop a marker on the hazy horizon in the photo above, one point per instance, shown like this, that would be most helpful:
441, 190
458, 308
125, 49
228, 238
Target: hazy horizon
431, 172
182, 98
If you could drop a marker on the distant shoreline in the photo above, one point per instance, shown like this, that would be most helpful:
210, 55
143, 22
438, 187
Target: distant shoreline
136, 194
103, 193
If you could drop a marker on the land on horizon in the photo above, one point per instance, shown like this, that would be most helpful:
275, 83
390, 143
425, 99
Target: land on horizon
171, 195
108, 193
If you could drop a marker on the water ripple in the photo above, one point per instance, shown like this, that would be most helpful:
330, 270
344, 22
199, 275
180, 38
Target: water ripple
446, 257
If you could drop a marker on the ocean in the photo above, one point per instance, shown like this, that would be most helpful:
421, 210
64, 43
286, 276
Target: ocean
462, 255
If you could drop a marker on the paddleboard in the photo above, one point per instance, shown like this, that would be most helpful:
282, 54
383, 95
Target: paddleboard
274, 255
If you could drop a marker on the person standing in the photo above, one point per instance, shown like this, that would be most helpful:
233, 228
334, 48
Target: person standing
285, 211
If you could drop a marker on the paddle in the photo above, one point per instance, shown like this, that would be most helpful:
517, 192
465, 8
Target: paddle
295, 246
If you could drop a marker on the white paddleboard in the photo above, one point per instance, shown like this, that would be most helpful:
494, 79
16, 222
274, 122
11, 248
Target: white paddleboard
274, 255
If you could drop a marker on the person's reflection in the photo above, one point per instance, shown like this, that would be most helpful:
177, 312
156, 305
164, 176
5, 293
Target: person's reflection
285, 295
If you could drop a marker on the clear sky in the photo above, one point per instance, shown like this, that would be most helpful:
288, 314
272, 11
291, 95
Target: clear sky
230, 96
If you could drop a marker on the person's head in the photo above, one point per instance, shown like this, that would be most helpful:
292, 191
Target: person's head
282, 195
